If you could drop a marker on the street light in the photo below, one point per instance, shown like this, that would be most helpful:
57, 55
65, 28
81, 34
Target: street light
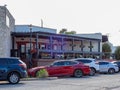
30, 58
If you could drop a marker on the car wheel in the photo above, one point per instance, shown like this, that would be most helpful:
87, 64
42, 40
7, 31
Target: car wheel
92, 71
111, 71
13, 78
78, 73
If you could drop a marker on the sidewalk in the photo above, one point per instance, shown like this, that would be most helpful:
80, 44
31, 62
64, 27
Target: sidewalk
46, 78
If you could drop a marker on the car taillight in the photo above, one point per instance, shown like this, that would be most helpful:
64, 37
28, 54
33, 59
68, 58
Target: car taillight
23, 66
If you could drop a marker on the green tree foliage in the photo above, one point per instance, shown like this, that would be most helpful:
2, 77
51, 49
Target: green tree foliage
106, 49
71, 32
64, 31
117, 53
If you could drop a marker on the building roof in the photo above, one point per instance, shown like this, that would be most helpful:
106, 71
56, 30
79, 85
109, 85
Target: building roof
90, 35
26, 28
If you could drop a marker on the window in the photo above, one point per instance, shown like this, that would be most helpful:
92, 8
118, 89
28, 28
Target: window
85, 61
28, 47
7, 21
67, 63
64, 63
70, 63
73, 63
22, 48
55, 47
103, 63
59, 64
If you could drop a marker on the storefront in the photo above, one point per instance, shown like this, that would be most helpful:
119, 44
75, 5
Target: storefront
44, 45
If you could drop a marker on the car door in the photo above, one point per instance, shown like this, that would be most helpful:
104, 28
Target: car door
55, 69
68, 68
103, 66
3, 69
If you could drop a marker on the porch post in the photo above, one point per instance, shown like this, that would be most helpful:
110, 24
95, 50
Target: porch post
73, 44
13, 40
62, 45
51, 41
73, 48
90, 45
37, 48
82, 45
98, 46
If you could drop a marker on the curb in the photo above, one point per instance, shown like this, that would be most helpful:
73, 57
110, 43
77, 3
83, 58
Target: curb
32, 79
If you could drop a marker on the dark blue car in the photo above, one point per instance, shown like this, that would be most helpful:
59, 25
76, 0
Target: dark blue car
12, 69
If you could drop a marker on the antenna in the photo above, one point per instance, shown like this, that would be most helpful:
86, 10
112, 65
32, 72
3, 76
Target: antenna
41, 23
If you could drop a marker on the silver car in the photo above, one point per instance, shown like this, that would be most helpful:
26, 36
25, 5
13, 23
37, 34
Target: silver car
107, 67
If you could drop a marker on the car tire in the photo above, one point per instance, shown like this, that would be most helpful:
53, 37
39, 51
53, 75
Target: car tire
111, 71
78, 73
92, 71
13, 78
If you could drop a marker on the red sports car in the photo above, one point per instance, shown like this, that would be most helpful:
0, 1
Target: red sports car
63, 68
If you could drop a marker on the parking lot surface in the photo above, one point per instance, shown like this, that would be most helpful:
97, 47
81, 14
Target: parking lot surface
97, 82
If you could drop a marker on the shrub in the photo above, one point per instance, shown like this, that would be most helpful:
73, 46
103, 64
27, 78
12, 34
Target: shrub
42, 73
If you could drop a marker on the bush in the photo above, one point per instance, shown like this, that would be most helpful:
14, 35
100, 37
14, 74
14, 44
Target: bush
42, 73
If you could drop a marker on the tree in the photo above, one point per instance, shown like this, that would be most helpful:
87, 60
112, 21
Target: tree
71, 32
106, 49
117, 53
64, 31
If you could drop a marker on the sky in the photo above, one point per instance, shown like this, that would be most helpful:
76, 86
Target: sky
82, 16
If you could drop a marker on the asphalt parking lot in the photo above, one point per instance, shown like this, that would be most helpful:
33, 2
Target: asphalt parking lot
97, 82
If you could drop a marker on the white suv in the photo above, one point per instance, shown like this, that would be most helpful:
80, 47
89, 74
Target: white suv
108, 67
91, 63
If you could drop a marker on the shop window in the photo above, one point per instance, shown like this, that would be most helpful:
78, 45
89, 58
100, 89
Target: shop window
55, 47
22, 48
28, 47
49, 47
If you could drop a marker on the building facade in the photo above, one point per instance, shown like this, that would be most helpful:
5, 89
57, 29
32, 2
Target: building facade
7, 23
46, 43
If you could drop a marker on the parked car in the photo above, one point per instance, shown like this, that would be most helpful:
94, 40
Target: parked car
91, 63
12, 69
108, 67
117, 62
63, 68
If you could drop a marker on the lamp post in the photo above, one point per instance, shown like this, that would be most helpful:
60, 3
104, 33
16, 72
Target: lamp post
30, 59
